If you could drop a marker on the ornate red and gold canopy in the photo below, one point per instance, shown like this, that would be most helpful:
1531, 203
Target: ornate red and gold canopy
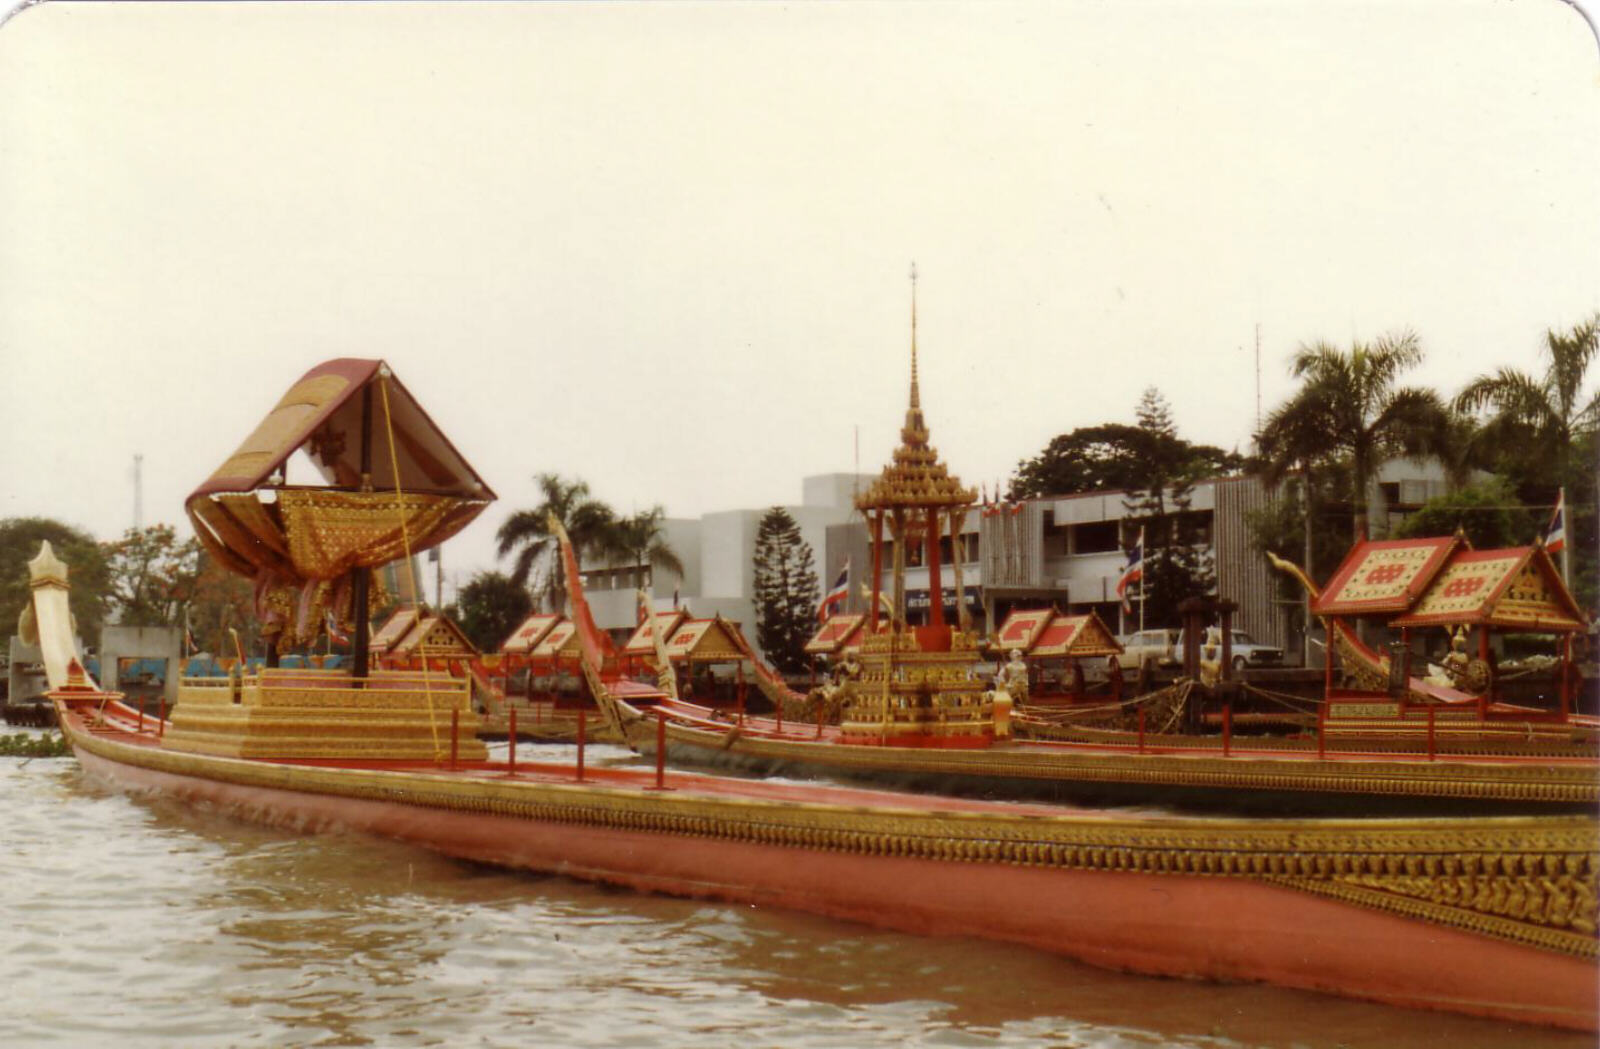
1384, 576
1516, 588
301, 543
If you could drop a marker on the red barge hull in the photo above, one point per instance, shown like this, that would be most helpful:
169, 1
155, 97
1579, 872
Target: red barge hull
979, 872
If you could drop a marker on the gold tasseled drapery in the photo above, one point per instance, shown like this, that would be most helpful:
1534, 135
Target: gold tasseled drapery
330, 533
302, 548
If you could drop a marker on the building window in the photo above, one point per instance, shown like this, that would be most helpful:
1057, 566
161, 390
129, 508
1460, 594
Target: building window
1095, 537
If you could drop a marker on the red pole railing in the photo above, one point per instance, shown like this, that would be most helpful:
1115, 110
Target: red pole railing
1227, 727
161, 726
779, 705
583, 721
822, 716
141, 713
661, 749
511, 739
1141, 730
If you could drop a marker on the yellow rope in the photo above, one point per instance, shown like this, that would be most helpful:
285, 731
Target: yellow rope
411, 569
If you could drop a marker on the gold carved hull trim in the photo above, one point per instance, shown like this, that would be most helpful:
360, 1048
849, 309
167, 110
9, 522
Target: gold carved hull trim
1473, 875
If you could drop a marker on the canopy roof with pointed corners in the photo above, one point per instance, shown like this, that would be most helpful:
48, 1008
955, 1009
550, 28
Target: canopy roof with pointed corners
420, 490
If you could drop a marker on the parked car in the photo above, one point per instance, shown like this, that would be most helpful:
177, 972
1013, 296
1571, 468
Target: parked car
1158, 647
1246, 652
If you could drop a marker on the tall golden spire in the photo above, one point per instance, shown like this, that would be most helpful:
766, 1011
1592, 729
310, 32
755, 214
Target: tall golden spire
915, 476
916, 397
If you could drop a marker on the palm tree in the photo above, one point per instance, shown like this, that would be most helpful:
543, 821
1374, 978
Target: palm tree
586, 520
1348, 407
640, 541
1541, 418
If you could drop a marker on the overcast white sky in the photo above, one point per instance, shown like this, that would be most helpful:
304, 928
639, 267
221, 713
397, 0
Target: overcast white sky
665, 247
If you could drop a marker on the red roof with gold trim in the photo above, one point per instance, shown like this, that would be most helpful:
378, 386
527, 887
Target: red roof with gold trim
1514, 588
394, 628
531, 631
1047, 634
640, 643
556, 640
705, 641
435, 634
1021, 629
837, 634
1076, 637
1384, 576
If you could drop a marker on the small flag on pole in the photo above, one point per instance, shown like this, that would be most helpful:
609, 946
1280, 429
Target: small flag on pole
1555, 534
1133, 573
835, 597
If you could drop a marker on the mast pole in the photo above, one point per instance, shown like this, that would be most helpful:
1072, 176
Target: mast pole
360, 576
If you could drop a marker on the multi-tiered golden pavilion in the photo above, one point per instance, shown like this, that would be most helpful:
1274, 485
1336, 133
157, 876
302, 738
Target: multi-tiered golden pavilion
917, 683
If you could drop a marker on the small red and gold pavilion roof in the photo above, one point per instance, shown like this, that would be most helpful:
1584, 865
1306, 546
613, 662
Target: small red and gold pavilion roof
1076, 637
1384, 576
558, 640
705, 641
1045, 633
1516, 587
434, 634
838, 634
1022, 629
530, 632
640, 643
394, 628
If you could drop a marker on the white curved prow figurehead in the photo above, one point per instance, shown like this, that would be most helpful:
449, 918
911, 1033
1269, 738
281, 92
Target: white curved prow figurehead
47, 622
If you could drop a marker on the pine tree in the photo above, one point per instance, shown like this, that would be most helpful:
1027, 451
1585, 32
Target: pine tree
786, 590
1177, 564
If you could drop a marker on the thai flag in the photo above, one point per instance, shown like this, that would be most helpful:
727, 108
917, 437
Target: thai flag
1555, 534
835, 597
1133, 573
335, 635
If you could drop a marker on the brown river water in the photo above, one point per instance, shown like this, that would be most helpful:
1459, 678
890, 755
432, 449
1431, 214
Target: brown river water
138, 922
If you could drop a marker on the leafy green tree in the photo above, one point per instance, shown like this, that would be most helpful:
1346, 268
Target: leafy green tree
527, 532
1348, 407
1177, 564
1110, 457
489, 608
153, 575
1489, 514
1541, 432
1542, 420
786, 590
639, 540
221, 601
86, 571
